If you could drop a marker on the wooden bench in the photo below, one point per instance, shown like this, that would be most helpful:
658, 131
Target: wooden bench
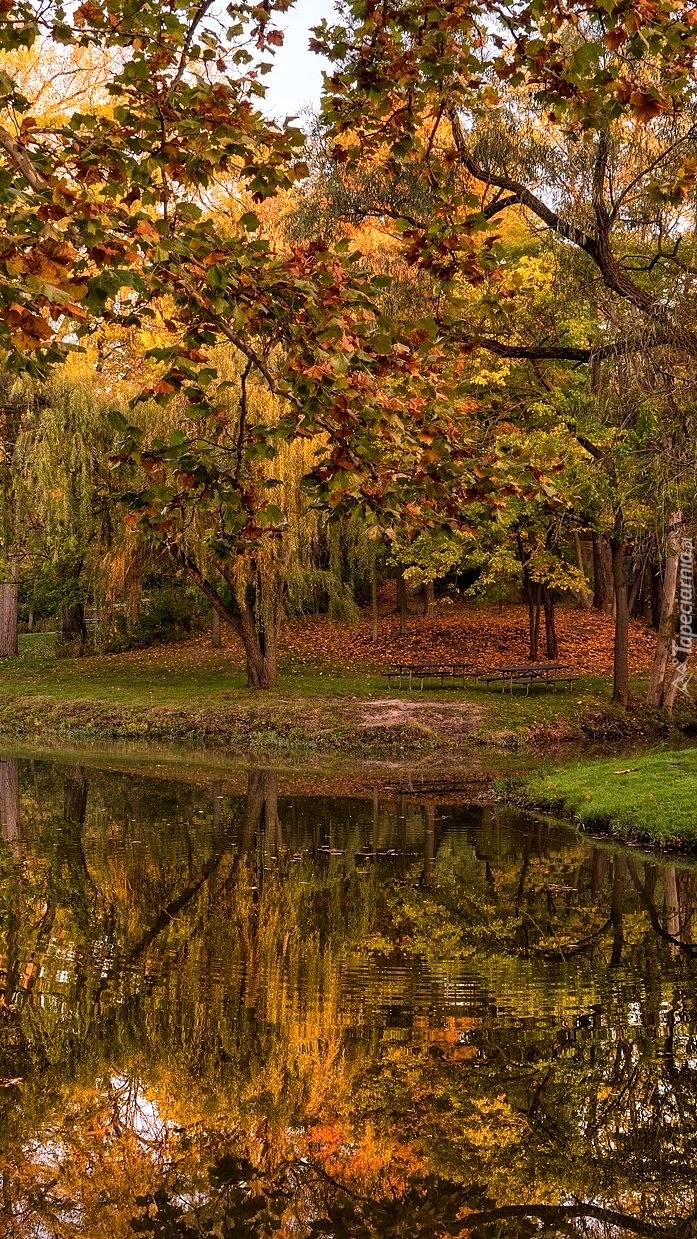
428, 671
529, 675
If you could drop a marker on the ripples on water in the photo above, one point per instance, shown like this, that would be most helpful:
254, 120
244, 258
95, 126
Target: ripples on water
367, 1009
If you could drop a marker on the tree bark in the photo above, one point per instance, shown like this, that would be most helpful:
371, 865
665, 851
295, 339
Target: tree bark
9, 632
428, 598
666, 625
584, 596
215, 629
75, 797
402, 602
602, 575
73, 627
551, 642
620, 687
260, 639
533, 621
10, 829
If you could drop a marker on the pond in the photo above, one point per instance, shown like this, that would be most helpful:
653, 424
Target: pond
256, 1003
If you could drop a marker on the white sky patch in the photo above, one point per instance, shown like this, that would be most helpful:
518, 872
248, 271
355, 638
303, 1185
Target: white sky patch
295, 82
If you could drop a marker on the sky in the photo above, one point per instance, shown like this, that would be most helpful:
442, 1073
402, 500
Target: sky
295, 81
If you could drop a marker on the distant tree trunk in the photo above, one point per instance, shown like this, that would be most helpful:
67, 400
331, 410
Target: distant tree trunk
620, 687
551, 643
666, 625
534, 621
402, 602
584, 596
30, 622
9, 631
602, 575
215, 629
374, 597
73, 627
531, 591
428, 598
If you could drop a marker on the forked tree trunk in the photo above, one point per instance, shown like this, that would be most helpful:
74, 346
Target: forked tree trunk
666, 626
9, 632
257, 619
620, 687
260, 640
602, 575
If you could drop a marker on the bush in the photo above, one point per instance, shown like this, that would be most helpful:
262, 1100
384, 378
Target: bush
165, 615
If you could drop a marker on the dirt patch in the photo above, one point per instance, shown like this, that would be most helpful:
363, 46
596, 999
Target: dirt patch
454, 722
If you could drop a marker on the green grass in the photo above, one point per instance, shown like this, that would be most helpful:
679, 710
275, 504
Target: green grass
652, 796
190, 692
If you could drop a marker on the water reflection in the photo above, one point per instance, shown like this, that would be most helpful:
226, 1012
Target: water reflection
236, 1008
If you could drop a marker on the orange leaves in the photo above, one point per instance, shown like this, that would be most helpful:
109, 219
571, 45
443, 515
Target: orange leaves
615, 38
87, 13
144, 228
27, 330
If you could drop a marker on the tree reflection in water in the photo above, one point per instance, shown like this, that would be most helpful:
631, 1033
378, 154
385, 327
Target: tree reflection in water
265, 1013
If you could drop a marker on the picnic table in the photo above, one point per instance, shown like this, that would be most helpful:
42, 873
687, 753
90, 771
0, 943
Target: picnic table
428, 671
526, 675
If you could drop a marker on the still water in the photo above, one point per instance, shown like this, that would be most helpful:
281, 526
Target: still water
263, 1005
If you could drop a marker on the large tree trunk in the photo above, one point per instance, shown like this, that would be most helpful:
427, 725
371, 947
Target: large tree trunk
666, 626
260, 640
620, 687
602, 575
9, 632
73, 627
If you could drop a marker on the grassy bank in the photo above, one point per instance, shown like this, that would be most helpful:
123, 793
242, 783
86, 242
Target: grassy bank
651, 797
191, 694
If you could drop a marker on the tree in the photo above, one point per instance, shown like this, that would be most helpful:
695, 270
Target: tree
581, 120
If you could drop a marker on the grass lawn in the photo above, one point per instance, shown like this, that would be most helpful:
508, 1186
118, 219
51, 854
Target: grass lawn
652, 796
189, 691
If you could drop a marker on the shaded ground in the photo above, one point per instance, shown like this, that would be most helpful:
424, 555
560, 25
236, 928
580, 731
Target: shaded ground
332, 695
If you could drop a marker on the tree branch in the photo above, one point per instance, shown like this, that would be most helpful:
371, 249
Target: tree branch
21, 161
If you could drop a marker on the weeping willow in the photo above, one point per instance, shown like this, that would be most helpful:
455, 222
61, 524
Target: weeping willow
76, 531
